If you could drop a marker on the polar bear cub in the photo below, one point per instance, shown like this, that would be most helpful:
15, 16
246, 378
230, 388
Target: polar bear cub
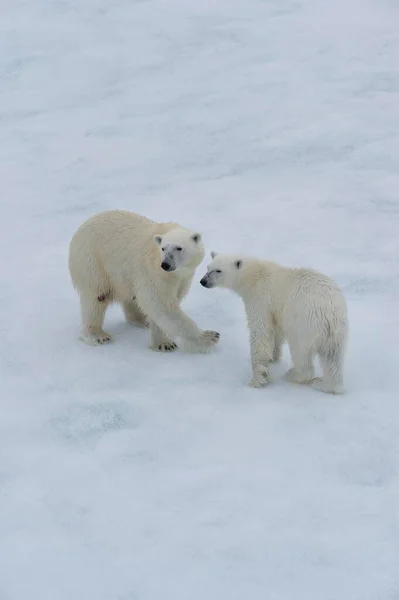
147, 267
302, 306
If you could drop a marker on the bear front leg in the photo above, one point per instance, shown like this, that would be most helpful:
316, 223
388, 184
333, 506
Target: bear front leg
159, 341
178, 326
262, 340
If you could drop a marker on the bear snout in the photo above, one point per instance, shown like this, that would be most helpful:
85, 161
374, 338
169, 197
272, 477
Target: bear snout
166, 266
204, 281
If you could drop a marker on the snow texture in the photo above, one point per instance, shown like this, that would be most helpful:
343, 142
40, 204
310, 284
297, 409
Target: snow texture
272, 127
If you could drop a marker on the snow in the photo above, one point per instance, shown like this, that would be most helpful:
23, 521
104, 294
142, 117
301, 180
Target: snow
272, 127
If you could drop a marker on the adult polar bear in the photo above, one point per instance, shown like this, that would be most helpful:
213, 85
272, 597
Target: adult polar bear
302, 306
119, 256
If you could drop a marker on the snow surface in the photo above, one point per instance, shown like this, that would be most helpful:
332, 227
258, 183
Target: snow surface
273, 127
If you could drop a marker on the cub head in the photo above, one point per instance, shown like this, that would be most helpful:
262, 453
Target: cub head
180, 248
222, 271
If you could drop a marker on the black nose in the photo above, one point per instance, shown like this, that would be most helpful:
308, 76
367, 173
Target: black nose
165, 266
204, 282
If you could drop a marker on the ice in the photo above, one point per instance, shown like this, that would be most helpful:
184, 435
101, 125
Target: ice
272, 127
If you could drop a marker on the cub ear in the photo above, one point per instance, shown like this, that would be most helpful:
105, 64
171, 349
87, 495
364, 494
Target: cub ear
196, 238
213, 254
158, 239
238, 264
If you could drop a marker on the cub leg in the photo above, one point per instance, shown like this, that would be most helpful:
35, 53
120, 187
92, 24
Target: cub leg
302, 356
262, 341
331, 360
278, 345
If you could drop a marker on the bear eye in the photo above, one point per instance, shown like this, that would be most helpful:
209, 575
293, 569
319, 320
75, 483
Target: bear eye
179, 249
218, 271
163, 249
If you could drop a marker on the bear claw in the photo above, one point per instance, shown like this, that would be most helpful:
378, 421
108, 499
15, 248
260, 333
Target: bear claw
167, 347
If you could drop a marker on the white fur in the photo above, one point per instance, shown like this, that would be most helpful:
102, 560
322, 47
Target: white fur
116, 256
302, 306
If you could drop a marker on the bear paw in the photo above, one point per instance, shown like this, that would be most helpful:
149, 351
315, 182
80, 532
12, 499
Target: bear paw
302, 378
95, 339
261, 377
203, 344
209, 338
328, 387
164, 347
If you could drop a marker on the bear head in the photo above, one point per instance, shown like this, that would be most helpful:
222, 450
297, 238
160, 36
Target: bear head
222, 271
180, 248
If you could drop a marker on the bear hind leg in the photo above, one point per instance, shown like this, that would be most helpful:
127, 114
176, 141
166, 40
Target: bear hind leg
93, 312
278, 346
331, 360
302, 370
159, 341
133, 314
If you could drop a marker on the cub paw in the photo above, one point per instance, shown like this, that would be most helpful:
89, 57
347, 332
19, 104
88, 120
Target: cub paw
304, 378
321, 385
290, 375
260, 377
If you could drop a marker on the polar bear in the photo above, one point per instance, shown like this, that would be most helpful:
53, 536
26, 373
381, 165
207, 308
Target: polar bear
302, 306
147, 267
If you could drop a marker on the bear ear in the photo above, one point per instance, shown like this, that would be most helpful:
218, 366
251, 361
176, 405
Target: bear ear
238, 264
196, 238
158, 239
213, 254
